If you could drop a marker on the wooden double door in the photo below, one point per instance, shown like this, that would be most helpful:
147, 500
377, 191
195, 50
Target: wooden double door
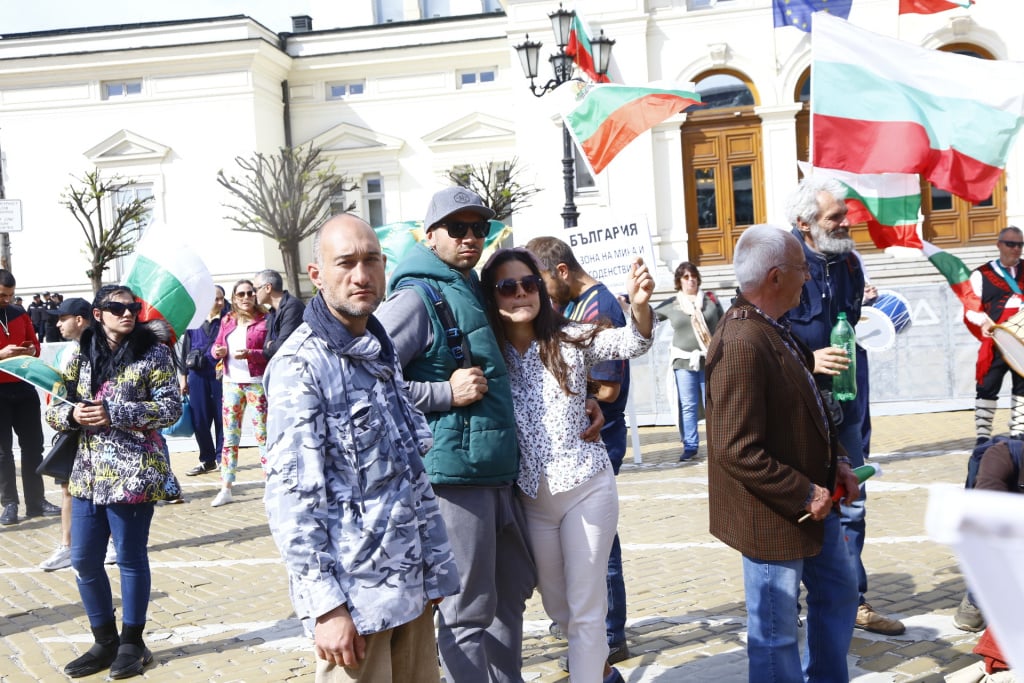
724, 182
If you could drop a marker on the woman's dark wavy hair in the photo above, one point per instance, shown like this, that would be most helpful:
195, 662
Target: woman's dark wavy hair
548, 326
103, 359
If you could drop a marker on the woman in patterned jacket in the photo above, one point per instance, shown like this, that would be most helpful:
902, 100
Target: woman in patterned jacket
568, 486
122, 389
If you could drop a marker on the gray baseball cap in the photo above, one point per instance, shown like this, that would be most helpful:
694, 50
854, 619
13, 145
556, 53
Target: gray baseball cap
453, 200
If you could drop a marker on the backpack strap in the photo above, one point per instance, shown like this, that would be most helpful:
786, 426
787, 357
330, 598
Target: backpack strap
453, 335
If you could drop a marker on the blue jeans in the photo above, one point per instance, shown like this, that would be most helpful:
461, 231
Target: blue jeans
614, 434
853, 516
772, 590
91, 526
204, 400
691, 390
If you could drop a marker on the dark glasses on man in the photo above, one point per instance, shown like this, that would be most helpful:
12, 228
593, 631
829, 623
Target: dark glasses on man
508, 287
1012, 245
458, 229
117, 308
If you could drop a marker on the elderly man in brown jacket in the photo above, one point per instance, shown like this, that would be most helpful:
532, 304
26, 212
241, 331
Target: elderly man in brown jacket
774, 462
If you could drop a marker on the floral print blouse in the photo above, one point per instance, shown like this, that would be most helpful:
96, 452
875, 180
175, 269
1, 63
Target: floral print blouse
549, 421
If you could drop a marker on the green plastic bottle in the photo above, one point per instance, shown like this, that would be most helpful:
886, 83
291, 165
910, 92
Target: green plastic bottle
844, 385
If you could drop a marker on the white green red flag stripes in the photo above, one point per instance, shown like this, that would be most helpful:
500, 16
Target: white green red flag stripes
580, 50
170, 280
888, 202
610, 116
880, 105
931, 6
957, 274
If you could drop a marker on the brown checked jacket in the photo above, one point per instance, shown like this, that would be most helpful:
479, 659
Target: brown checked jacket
768, 440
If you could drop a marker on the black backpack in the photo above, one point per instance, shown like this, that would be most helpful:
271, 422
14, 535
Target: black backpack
974, 464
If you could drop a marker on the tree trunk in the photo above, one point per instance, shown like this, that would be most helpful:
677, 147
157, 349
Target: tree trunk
96, 277
290, 256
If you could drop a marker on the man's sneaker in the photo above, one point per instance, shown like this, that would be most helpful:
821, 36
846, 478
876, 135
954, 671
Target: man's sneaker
202, 468
60, 558
45, 509
870, 620
9, 515
223, 497
556, 630
618, 652
968, 617
111, 556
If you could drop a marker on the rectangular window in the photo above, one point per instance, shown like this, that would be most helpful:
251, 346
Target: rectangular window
115, 89
492, 6
387, 11
430, 9
339, 91
584, 180
142, 192
373, 196
708, 4
471, 78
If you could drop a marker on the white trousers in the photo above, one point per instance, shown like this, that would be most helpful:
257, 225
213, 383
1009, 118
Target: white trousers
571, 536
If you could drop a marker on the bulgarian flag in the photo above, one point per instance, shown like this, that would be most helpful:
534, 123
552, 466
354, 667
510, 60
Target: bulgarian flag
888, 202
170, 280
610, 116
580, 50
957, 274
880, 105
931, 6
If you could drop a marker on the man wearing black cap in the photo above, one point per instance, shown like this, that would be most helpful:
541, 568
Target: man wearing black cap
19, 414
51, 334
474, 461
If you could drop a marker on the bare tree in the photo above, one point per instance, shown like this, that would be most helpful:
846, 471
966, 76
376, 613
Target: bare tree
109, 236
498, 184
285, 197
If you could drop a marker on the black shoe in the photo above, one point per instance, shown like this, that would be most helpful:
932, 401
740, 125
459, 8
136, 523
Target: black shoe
688, 454
618, 652
97, 659
45, 509
131, 661
202, 468
10, 514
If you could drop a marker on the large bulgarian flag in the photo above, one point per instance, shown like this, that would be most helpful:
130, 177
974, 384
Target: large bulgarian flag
880, 105
890, 203
931, 6
610, 116
170, 280
580, 50
957, 274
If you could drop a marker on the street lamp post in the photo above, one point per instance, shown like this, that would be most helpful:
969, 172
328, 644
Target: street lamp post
562, 66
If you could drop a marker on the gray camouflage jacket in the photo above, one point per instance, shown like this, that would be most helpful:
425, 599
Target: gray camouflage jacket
350, 506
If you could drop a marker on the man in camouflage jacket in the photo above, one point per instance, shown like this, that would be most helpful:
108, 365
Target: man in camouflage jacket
349, 503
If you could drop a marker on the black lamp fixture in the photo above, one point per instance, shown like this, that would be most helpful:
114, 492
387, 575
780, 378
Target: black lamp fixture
562, 67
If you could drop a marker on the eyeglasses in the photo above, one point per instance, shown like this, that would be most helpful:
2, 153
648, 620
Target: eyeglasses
509, 287
246, 294
117, 308
1012, 245
802, 266
687, 276
458, 229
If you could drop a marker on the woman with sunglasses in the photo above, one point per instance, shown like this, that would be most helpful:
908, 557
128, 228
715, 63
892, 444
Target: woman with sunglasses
122, 389
239, 345
694, 315
568, 487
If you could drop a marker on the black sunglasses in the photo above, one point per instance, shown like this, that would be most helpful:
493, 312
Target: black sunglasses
117, 308
458, 229
1012, 245
509, 287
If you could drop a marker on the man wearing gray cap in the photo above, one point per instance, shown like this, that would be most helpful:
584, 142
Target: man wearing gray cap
457, 376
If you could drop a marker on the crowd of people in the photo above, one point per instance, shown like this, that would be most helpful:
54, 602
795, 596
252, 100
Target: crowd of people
389, 414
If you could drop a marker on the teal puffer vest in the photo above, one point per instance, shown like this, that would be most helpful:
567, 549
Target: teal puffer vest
474, 444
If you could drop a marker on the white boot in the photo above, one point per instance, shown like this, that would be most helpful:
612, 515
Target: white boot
984, 412
223, 498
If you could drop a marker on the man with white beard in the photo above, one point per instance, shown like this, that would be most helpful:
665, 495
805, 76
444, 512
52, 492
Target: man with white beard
817, 212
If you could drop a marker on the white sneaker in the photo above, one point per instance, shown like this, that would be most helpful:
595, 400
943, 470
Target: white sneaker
60, 558
222, 498
111, 556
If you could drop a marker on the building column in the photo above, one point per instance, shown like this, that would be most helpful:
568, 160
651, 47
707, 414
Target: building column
778, 137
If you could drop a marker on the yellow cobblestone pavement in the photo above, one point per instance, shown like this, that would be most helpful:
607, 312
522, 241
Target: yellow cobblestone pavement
220, 609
